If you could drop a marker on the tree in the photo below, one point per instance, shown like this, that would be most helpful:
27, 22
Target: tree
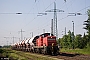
87, 23
78, 41
84, 40
65, 41
69, 39
60, 42
87, 27
73, 40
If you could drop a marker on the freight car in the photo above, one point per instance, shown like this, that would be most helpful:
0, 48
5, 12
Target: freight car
44, 44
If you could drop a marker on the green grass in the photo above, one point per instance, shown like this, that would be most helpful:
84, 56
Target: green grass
33, 56
11, 54
78, 51
19, 55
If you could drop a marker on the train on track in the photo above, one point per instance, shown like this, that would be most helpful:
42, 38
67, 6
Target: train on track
45, 44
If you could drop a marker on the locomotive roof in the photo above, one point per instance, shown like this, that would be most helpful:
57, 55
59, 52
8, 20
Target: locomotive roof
33, 38
46, 33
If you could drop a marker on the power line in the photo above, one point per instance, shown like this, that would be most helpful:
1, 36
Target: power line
68, 16
63, 18
37, 16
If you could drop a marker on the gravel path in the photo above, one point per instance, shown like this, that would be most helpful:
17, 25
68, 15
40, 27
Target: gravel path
69, 56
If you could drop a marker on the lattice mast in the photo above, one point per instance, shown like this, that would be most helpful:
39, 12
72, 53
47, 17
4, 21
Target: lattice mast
54, 29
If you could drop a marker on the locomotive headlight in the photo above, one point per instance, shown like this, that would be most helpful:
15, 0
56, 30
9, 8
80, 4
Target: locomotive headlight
51, 37
58, 46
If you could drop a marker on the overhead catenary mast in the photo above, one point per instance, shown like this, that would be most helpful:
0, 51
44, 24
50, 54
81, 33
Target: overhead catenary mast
21, 34
11, 38
54, 27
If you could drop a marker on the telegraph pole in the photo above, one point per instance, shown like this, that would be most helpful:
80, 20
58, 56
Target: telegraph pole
73, 36
65, 33
7, 40
65, 30
73, 27
43, 30
73, 31
55, 30
13, 39
52, 26
7, 44
31, 34
21, 34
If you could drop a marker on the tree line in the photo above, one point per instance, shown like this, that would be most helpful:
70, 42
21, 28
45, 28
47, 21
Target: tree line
77, 41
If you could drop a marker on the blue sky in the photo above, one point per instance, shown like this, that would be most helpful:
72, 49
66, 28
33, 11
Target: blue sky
11, 23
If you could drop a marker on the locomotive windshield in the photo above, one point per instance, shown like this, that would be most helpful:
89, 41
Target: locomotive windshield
46, 34
51, 38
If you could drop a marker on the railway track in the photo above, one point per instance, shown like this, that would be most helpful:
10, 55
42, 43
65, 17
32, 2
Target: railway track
61, 56
67, 56
36, 56
26, 56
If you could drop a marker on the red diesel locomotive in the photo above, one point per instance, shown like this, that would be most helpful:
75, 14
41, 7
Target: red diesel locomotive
45, 43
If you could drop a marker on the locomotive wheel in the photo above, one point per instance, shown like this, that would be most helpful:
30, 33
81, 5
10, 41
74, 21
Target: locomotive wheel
40, 51
35, 51
45, 50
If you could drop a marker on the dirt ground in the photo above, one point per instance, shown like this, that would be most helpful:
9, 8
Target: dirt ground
69, 56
